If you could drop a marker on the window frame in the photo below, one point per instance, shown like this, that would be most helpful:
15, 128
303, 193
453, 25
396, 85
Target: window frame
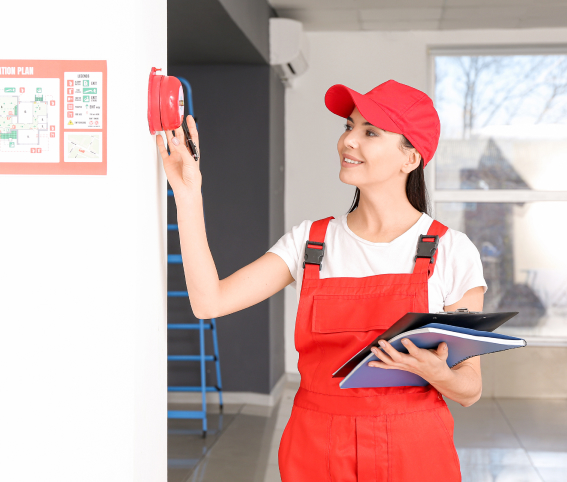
490, 195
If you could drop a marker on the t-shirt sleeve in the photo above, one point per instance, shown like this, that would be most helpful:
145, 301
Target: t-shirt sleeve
290, 246
462, 268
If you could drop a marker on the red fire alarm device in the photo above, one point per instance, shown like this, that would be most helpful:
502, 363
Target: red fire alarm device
165, 102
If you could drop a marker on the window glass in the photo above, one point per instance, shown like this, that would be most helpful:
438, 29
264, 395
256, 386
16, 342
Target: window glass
503, 122
522, 248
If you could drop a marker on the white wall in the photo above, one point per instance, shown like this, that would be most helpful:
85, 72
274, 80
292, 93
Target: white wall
83, 269
360, 60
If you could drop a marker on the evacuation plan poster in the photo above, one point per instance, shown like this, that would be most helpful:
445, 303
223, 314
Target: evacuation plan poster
53, 117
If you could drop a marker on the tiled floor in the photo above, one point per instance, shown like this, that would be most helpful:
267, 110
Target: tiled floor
500, 440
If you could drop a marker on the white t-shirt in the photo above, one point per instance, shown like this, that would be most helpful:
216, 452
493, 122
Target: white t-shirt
457, 270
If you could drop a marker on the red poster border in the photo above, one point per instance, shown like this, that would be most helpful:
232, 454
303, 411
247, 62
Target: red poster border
56, 69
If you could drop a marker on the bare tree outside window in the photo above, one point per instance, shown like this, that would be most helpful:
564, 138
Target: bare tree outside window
500, 90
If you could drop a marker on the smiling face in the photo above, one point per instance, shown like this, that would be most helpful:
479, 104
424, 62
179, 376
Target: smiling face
371, 156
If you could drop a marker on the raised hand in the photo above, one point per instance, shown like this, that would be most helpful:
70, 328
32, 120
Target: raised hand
181, 169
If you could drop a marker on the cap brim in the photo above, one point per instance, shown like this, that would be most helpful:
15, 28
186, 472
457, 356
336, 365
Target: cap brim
341, 100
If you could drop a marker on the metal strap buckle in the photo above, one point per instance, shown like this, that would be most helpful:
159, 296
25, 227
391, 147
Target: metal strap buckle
314, 255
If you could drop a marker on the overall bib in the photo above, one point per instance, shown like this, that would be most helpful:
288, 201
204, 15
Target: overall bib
394, 434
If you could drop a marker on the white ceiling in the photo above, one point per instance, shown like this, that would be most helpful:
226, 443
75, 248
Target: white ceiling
423, 14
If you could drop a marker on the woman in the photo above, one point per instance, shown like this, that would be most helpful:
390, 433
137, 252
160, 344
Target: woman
355, 277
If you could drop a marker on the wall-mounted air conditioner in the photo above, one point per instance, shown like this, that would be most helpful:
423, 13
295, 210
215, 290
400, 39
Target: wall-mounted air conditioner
289, 50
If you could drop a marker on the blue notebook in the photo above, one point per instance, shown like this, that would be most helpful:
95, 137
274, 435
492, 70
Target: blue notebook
463, 343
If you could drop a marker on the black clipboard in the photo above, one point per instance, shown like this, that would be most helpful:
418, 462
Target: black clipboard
476, 320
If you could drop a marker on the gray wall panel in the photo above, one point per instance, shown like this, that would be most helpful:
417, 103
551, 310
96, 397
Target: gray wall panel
218, 31
252, 18
239, 109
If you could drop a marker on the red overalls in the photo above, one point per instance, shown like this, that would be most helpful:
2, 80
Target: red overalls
395, 434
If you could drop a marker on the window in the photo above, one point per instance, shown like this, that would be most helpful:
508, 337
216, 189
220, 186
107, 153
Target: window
500, 176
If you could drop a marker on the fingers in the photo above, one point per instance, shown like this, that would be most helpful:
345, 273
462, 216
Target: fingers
192, 127
389, 357
411, 348
194, 135
161, 147
170, 143
384, 360
180, 136
383, 357
425, 363
390, 350
442, 351
175, 143
379, 364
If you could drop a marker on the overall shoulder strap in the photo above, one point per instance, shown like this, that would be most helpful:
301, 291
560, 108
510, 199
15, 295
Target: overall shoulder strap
426, 255
315, 248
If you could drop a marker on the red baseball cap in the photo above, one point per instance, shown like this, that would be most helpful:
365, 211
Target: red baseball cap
393, 107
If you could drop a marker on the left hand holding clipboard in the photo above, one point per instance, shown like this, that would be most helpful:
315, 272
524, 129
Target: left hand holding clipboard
430, 365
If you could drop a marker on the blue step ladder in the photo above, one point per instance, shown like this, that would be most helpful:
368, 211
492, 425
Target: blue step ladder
202, 357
